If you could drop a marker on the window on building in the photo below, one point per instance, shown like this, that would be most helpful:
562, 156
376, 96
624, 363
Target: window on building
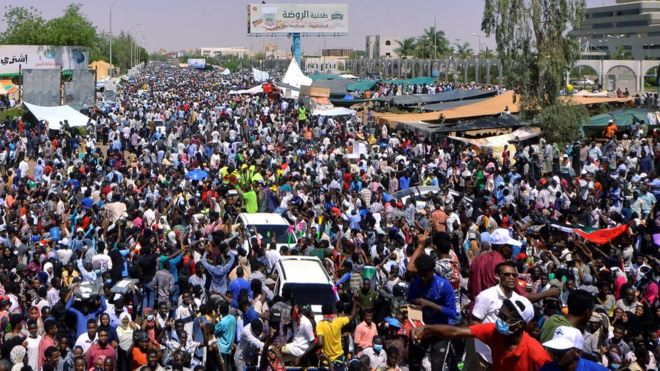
602, 25
651, 46
642, 22
388, 43
628, 12
388, 55
601, 15
654, 33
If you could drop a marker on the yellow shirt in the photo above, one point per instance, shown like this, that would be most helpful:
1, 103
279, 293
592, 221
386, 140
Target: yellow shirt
331, 332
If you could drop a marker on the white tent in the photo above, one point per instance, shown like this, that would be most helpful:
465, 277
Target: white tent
335, 111
252, 91
259, 75
57, 114
295, 77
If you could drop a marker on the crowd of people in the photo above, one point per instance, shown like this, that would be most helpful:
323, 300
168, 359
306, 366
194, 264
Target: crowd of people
115, 257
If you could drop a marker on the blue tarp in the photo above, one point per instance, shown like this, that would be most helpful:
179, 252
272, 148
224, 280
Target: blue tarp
450, 96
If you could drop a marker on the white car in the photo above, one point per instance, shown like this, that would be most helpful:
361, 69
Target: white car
267, 226
421, 195
309, 282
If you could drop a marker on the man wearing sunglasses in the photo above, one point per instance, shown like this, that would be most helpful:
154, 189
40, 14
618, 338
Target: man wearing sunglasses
488, 303
565, 347
512, 348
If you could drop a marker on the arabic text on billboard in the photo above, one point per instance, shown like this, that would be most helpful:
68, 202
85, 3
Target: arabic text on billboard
42, 57
273, 19
197, 63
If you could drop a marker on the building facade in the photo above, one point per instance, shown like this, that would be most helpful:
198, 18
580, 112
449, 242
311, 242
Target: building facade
382, 46
240, 52
630, 28
324, 65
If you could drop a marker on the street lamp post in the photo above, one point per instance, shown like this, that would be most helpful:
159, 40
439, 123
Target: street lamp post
478, 36
111, 6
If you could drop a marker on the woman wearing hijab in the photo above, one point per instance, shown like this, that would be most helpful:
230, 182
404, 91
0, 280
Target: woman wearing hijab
17, 357
104, 323
125, 338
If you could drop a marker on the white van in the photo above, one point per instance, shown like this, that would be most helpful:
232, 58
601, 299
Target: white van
267, 225
309, 282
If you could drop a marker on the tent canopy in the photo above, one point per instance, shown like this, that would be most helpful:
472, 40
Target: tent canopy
449, 96
295, 77
336, 111
623, 117
57, 114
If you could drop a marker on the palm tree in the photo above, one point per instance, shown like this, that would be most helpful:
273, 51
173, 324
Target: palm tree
432, 44
487, 54
406, 47
464, 50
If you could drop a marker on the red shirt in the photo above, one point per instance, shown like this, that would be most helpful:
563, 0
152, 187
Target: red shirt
528, 355
95, 351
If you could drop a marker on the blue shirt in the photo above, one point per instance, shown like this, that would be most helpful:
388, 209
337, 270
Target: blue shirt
439, 291
236, 286
225, 330
219, 273
81, 318
583, 365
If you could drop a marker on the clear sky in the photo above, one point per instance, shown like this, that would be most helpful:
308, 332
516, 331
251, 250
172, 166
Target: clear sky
188, 24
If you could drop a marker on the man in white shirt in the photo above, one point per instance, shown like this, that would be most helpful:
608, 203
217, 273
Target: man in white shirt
86, 339
303, 336
487, 304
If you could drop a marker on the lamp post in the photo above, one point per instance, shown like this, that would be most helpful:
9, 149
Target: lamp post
478, 36
111, 6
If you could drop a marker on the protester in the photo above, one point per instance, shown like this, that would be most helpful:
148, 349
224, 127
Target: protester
124, 240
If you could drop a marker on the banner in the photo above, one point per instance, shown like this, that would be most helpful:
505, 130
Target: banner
42, 87
42, 57
259, 75
283, 19
80, 92
197, 63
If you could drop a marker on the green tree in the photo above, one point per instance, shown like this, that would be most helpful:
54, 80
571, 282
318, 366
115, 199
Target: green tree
464, 50
431, 44
72, 28
533, 45
561, 121
406, 47
622, 54
24, 26
487, 54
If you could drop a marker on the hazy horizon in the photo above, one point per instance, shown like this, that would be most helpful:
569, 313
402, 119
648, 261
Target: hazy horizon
176, 25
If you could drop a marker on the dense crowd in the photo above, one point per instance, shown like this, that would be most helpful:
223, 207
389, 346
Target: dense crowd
116, 256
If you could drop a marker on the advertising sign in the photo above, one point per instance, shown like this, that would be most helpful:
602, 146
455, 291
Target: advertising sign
42, 57
282, 19
197, 63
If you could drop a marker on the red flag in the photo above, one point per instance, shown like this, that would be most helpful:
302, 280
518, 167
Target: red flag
603, 236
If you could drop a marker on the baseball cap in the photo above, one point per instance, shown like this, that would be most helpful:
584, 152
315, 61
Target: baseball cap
500, 236
564, 338
523, 306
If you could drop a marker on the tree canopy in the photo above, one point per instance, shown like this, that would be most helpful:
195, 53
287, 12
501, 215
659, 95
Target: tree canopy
536, 50
26, 26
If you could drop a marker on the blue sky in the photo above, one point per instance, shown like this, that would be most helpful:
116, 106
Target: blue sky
177, 24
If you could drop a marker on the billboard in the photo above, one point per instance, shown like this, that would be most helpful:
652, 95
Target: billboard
197, 63
42, 87
283, 19
42, 57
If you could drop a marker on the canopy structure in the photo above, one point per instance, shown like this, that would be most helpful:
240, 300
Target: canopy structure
335, 111
7, 87
295, 77
521, 134
252, 91
448, 105
57, 114
449, 96
503, 122
622, 118
488, 107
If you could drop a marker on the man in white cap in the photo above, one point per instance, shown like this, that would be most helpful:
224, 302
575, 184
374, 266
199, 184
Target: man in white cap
513, 349
565, 347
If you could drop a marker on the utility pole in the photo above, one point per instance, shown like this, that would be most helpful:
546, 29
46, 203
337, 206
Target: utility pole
111, 67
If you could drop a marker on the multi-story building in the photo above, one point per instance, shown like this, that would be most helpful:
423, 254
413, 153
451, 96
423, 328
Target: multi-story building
337, 52
382, 46
239, 51
630, 27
